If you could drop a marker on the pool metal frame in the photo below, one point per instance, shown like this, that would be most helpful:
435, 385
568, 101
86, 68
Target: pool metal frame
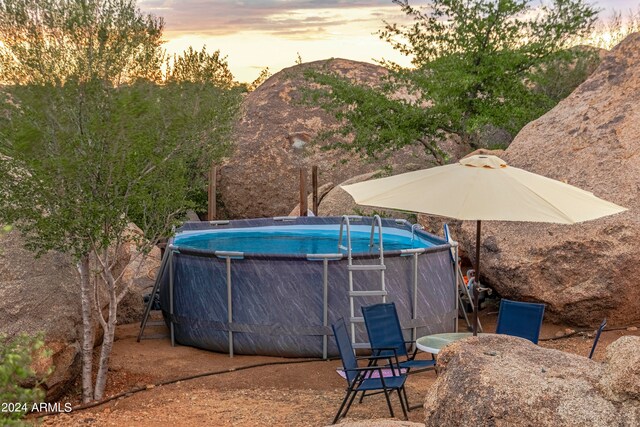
228, 256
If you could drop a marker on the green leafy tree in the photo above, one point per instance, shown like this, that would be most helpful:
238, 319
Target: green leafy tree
200, 67
16, 372
93, 137
265, 73
209, 73
474, 64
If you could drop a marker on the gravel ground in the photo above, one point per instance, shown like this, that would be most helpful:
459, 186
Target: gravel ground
306, 394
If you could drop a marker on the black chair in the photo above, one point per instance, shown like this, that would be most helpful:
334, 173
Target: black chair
520, 319
386, 337
597, 338
361, 379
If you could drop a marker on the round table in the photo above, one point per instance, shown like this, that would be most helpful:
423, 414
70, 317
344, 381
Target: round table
434, 343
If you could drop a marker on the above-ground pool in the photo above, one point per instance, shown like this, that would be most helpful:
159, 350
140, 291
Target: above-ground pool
274, 286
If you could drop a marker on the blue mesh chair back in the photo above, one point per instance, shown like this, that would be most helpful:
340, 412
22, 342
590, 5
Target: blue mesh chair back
383, 327
520, 319
597, 338
345, 348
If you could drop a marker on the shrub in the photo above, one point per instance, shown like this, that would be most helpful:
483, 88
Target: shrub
19, 389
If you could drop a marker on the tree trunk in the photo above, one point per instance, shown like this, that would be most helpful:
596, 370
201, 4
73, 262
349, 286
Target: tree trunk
87, 328
109, 334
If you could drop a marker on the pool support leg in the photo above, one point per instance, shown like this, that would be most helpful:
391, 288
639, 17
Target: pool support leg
171, 325
457, 278
414, 309
229, 306
325, 304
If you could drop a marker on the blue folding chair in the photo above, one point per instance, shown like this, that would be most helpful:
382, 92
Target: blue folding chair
520, 319
360, 379
597, 338
386, 338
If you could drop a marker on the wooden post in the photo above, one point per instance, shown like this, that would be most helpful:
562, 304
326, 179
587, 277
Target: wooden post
314, 185
213, 175
303, 193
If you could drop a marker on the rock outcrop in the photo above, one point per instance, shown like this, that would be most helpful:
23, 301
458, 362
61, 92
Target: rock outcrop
497, 380
591, 139
323, 190
338, 202
139, 276
274, 138
42, 295
622, 380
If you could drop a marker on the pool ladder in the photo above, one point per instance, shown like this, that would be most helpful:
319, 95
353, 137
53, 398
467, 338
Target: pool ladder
345, 225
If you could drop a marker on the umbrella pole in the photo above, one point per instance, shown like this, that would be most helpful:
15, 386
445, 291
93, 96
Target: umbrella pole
476, 282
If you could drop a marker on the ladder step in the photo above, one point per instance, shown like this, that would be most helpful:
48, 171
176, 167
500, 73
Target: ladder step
156, 323
368, 293
361, 345
356, 319
155, 336
372, 267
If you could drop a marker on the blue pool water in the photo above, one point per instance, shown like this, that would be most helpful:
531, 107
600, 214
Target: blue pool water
296, 239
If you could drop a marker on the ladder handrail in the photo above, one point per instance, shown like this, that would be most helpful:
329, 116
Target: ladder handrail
415, 227
345, 225
345, 220
377, 221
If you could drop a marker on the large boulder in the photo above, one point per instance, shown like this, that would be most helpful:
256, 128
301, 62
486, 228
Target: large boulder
622, 379
274, 138
338, 202
323, 190
497, 380
138, 271
591, 139
42, 296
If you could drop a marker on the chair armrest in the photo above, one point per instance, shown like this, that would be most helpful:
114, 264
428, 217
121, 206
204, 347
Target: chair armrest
394, 349
395, 356
364, 368
372, 357
361, 376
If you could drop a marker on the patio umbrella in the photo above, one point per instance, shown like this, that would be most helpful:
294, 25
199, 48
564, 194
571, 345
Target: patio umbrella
482, 187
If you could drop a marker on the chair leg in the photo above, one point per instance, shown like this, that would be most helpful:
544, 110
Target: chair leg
371, 363
403, 403
344, 401
353, 396
406, 399
386, 395
435, 366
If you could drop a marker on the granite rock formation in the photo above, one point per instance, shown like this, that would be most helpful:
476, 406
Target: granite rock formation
338, 202
497, 380
323, 190
591, 139
42, 295
274, 138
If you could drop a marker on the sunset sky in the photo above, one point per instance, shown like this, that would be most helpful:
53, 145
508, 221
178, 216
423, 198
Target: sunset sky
255, 34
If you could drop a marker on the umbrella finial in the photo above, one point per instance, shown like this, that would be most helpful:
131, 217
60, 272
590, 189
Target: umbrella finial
484, 161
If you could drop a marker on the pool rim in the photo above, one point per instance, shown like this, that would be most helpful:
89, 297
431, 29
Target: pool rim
439, 242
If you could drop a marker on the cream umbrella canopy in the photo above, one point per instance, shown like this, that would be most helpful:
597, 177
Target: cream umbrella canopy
483, 187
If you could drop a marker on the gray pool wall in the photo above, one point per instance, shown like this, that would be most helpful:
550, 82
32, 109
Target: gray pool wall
277, 300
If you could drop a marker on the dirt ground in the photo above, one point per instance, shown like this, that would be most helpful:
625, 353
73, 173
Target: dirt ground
305, 394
